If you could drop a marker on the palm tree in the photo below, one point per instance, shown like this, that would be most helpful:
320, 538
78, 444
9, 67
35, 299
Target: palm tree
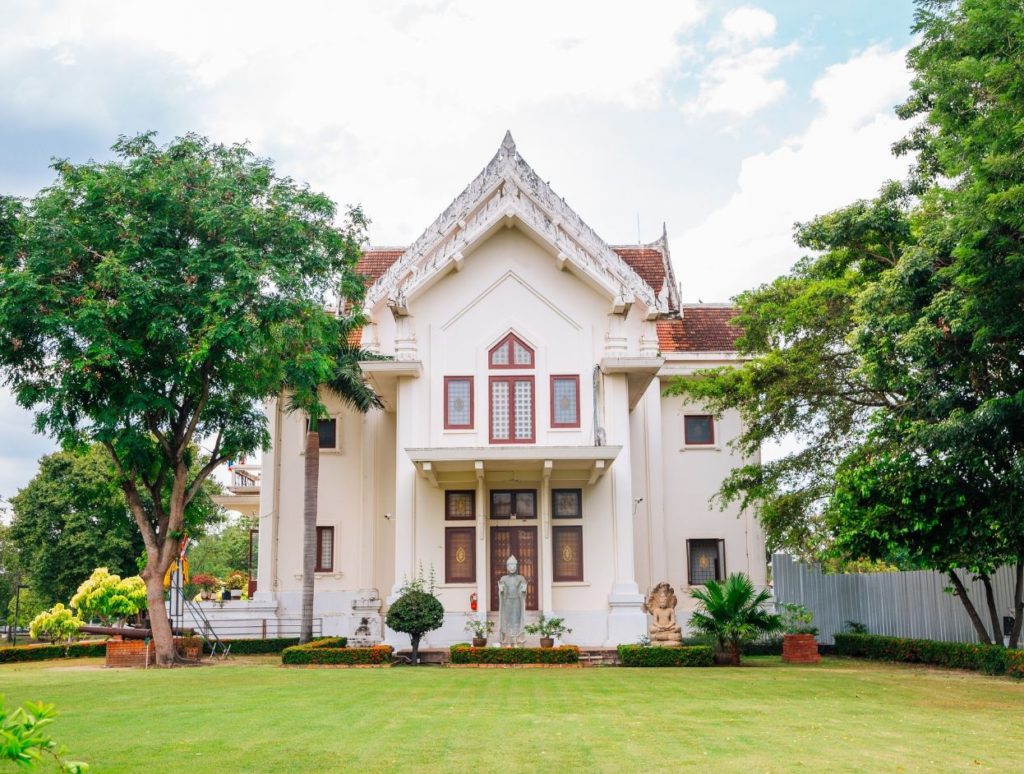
346, 383
732, 612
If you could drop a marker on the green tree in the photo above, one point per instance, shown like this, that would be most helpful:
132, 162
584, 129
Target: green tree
28, 604
108, 598
155, 301
222, 552
906, 388
733, 612
416, 612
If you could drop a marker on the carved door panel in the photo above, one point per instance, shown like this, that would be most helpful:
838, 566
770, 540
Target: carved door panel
520, 542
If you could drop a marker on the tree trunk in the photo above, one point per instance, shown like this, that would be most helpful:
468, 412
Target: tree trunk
415, 649
1018, 605
972, 613
311, 482
990, 598
159, 622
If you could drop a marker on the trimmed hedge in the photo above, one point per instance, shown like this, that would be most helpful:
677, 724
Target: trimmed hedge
18, 653
990, 659
564, 654
332, 650
257, 646
666, 656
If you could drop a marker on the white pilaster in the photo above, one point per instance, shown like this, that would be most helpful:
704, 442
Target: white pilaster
482, 578
270, 502
405, 487
657, 538
546, 563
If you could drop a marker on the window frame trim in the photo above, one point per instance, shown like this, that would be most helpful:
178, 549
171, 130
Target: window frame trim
319, 548
713, 443
447, 497
551, 394
507, 340
564, 528
513, 493
472, 403
720, 545
579, 493
472, 544
510, 379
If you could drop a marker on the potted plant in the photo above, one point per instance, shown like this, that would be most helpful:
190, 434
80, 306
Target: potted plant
192, 647
732, 612
236, 582
548, 629
799, 636
206, 584
480, 630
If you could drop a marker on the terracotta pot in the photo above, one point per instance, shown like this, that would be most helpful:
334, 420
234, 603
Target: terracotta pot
547, 642
725, 658
193, 653
479, 642
206, 594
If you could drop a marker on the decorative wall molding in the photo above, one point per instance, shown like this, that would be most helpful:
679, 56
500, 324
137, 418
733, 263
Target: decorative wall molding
509, 189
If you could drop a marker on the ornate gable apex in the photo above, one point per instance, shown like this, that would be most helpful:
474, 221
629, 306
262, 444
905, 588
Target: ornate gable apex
508, 190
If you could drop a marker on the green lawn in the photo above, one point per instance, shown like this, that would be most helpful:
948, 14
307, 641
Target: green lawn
255, 716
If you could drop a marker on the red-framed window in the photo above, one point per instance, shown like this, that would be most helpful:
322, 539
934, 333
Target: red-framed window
324, 549
699, 430
565, 401
460, 555
567, 554
459, 505
511, 352
513, 409
458, 402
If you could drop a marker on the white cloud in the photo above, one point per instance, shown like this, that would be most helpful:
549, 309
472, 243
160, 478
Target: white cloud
842, 155
739, 85
742, 27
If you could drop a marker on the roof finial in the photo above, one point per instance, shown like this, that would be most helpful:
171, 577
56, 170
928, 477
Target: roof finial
508, 144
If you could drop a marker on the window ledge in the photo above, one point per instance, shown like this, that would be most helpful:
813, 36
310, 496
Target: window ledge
456, 585
458, 430
569, 584
700, 447
575, 429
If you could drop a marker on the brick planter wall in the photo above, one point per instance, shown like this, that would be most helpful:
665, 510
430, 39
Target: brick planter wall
800, 649
132, 653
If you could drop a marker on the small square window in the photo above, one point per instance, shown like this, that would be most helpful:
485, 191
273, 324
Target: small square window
460, 506
699, 430
324, 549
458, 402
327, 429
706, 559
567, 503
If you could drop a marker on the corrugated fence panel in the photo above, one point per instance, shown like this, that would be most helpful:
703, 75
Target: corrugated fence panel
898, 604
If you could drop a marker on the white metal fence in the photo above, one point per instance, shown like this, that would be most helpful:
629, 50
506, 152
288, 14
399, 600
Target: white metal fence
898, 604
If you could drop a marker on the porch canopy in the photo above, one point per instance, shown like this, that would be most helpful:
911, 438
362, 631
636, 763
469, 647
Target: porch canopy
455, 465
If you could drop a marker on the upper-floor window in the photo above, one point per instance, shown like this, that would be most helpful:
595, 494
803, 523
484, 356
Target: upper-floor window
458, 402
510, 352
698, 430
512, 409
565, 401
327, 430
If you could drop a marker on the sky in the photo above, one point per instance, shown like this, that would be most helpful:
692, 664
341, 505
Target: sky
726, 121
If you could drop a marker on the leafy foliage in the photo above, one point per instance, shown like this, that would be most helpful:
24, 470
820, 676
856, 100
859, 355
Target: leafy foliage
159, 298
548, 627
332, 650
797, 619
416, 611
19, 653
465, 654
732, 612
29, 605
58, 624
990, 659
222, 552
24, 738
658, 656
109, 598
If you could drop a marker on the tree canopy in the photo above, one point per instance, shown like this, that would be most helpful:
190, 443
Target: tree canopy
893, 351
153, 302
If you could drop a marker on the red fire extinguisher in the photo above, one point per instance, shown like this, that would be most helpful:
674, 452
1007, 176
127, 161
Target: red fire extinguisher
472, 601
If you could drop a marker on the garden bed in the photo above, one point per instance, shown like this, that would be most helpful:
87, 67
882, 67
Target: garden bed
332, 651
990, 659
44, 652
465, 655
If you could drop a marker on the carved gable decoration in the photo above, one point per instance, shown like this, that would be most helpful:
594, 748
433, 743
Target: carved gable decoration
506, 190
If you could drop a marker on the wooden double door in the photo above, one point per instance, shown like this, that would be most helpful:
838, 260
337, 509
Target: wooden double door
520, 542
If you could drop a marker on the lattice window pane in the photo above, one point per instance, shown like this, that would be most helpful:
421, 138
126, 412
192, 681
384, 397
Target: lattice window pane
459, 402
565, 401
459, 505
524, 410
499, 410
501, 505
521, 356
526, 505
705, 561
324, 549
499, 356
567, 503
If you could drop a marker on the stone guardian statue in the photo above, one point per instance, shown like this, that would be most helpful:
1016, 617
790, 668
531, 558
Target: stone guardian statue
511, 605
661, 604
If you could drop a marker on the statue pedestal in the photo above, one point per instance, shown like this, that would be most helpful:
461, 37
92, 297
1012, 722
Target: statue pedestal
627, 621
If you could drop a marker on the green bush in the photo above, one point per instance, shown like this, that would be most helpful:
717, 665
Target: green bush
659, 656
254, 646
564, 654
18, 653
332, 650
990, 659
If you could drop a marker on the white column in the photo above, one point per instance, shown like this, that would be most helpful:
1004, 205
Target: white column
405, 488
483, 599
269, 519
626, 620
369, 515
546, 564
658, 550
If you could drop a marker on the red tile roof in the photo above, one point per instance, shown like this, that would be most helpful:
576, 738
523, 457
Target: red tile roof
648, 262
375, 262
700, 329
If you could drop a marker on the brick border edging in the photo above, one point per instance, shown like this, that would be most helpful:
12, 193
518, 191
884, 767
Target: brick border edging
336, 666
513, 666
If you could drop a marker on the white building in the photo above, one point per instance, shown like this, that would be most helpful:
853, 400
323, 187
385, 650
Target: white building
523, 415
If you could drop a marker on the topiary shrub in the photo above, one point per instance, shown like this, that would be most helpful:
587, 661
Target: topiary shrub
990, 659
465, 654
328, 652
416, 612
58, 624
19, 653
685, 656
